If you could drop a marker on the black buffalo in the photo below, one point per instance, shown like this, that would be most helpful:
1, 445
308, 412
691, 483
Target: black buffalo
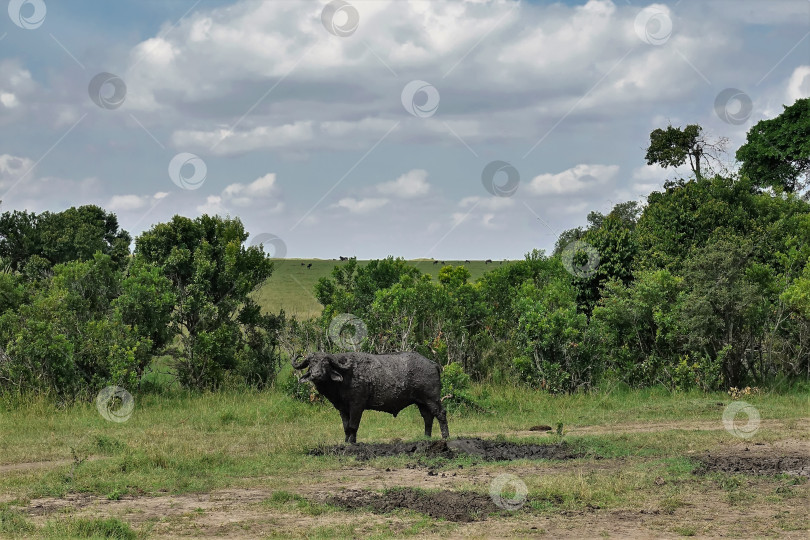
354, 382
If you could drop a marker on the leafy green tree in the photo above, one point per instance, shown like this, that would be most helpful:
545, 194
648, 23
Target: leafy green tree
777, 151
635, 327
75, 234
19, 239
551, 337
212, 274
615, 243
67, 338
352, 287
685, 215
725, 303
674, 146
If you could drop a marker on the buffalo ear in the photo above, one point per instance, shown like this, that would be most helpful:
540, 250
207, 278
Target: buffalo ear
335, 376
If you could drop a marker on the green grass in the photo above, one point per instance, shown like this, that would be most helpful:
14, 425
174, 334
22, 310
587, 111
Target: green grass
111, 528
184, 442
177, 443
291, 287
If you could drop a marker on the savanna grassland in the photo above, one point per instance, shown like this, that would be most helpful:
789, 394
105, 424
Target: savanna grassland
236, 463
649, 378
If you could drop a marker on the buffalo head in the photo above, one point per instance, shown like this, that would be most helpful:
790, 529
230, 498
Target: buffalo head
323, 368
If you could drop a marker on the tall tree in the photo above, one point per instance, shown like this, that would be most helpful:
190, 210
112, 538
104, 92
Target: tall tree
75, 234
221, 327
673, 146
777, 151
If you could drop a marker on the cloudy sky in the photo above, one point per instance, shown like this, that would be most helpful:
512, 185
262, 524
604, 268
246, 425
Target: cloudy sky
446, 129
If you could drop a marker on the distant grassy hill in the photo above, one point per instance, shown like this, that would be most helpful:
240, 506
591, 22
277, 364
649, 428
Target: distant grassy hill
291, 286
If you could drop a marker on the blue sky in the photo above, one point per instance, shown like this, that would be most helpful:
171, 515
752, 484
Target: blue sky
305, 133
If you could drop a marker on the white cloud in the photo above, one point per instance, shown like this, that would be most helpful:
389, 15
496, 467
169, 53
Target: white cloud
212, 206
577, 179
120, 203
9, 100
410, 185
253, 193
360, 206
125, 203
297, 89
12, 167
222, 141
798, 86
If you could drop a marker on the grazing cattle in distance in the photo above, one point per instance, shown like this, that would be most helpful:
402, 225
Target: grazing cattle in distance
435, 262
467, 261
342, 258
354, 382
309, 265
303, 264
488, 261
443, 263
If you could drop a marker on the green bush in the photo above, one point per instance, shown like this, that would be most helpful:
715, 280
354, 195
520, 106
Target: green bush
304, 392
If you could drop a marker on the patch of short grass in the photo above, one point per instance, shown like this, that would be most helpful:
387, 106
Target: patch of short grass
13, 523
109, 528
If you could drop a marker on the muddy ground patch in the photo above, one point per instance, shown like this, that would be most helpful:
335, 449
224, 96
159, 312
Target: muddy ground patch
788, 457
487, 450
449, 505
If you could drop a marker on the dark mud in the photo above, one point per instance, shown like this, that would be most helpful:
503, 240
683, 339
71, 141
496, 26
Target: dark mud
791, 463
449, 505
449, 449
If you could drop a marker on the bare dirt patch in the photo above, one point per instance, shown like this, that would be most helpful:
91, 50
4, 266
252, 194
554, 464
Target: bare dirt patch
449, 505
786, 457
487, 450
798, 425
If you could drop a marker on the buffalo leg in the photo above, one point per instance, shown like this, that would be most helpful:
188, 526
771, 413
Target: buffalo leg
344, 415
441, 416
354, 422
428, 416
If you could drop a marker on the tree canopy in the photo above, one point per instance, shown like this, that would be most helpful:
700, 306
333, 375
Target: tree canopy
777, 151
